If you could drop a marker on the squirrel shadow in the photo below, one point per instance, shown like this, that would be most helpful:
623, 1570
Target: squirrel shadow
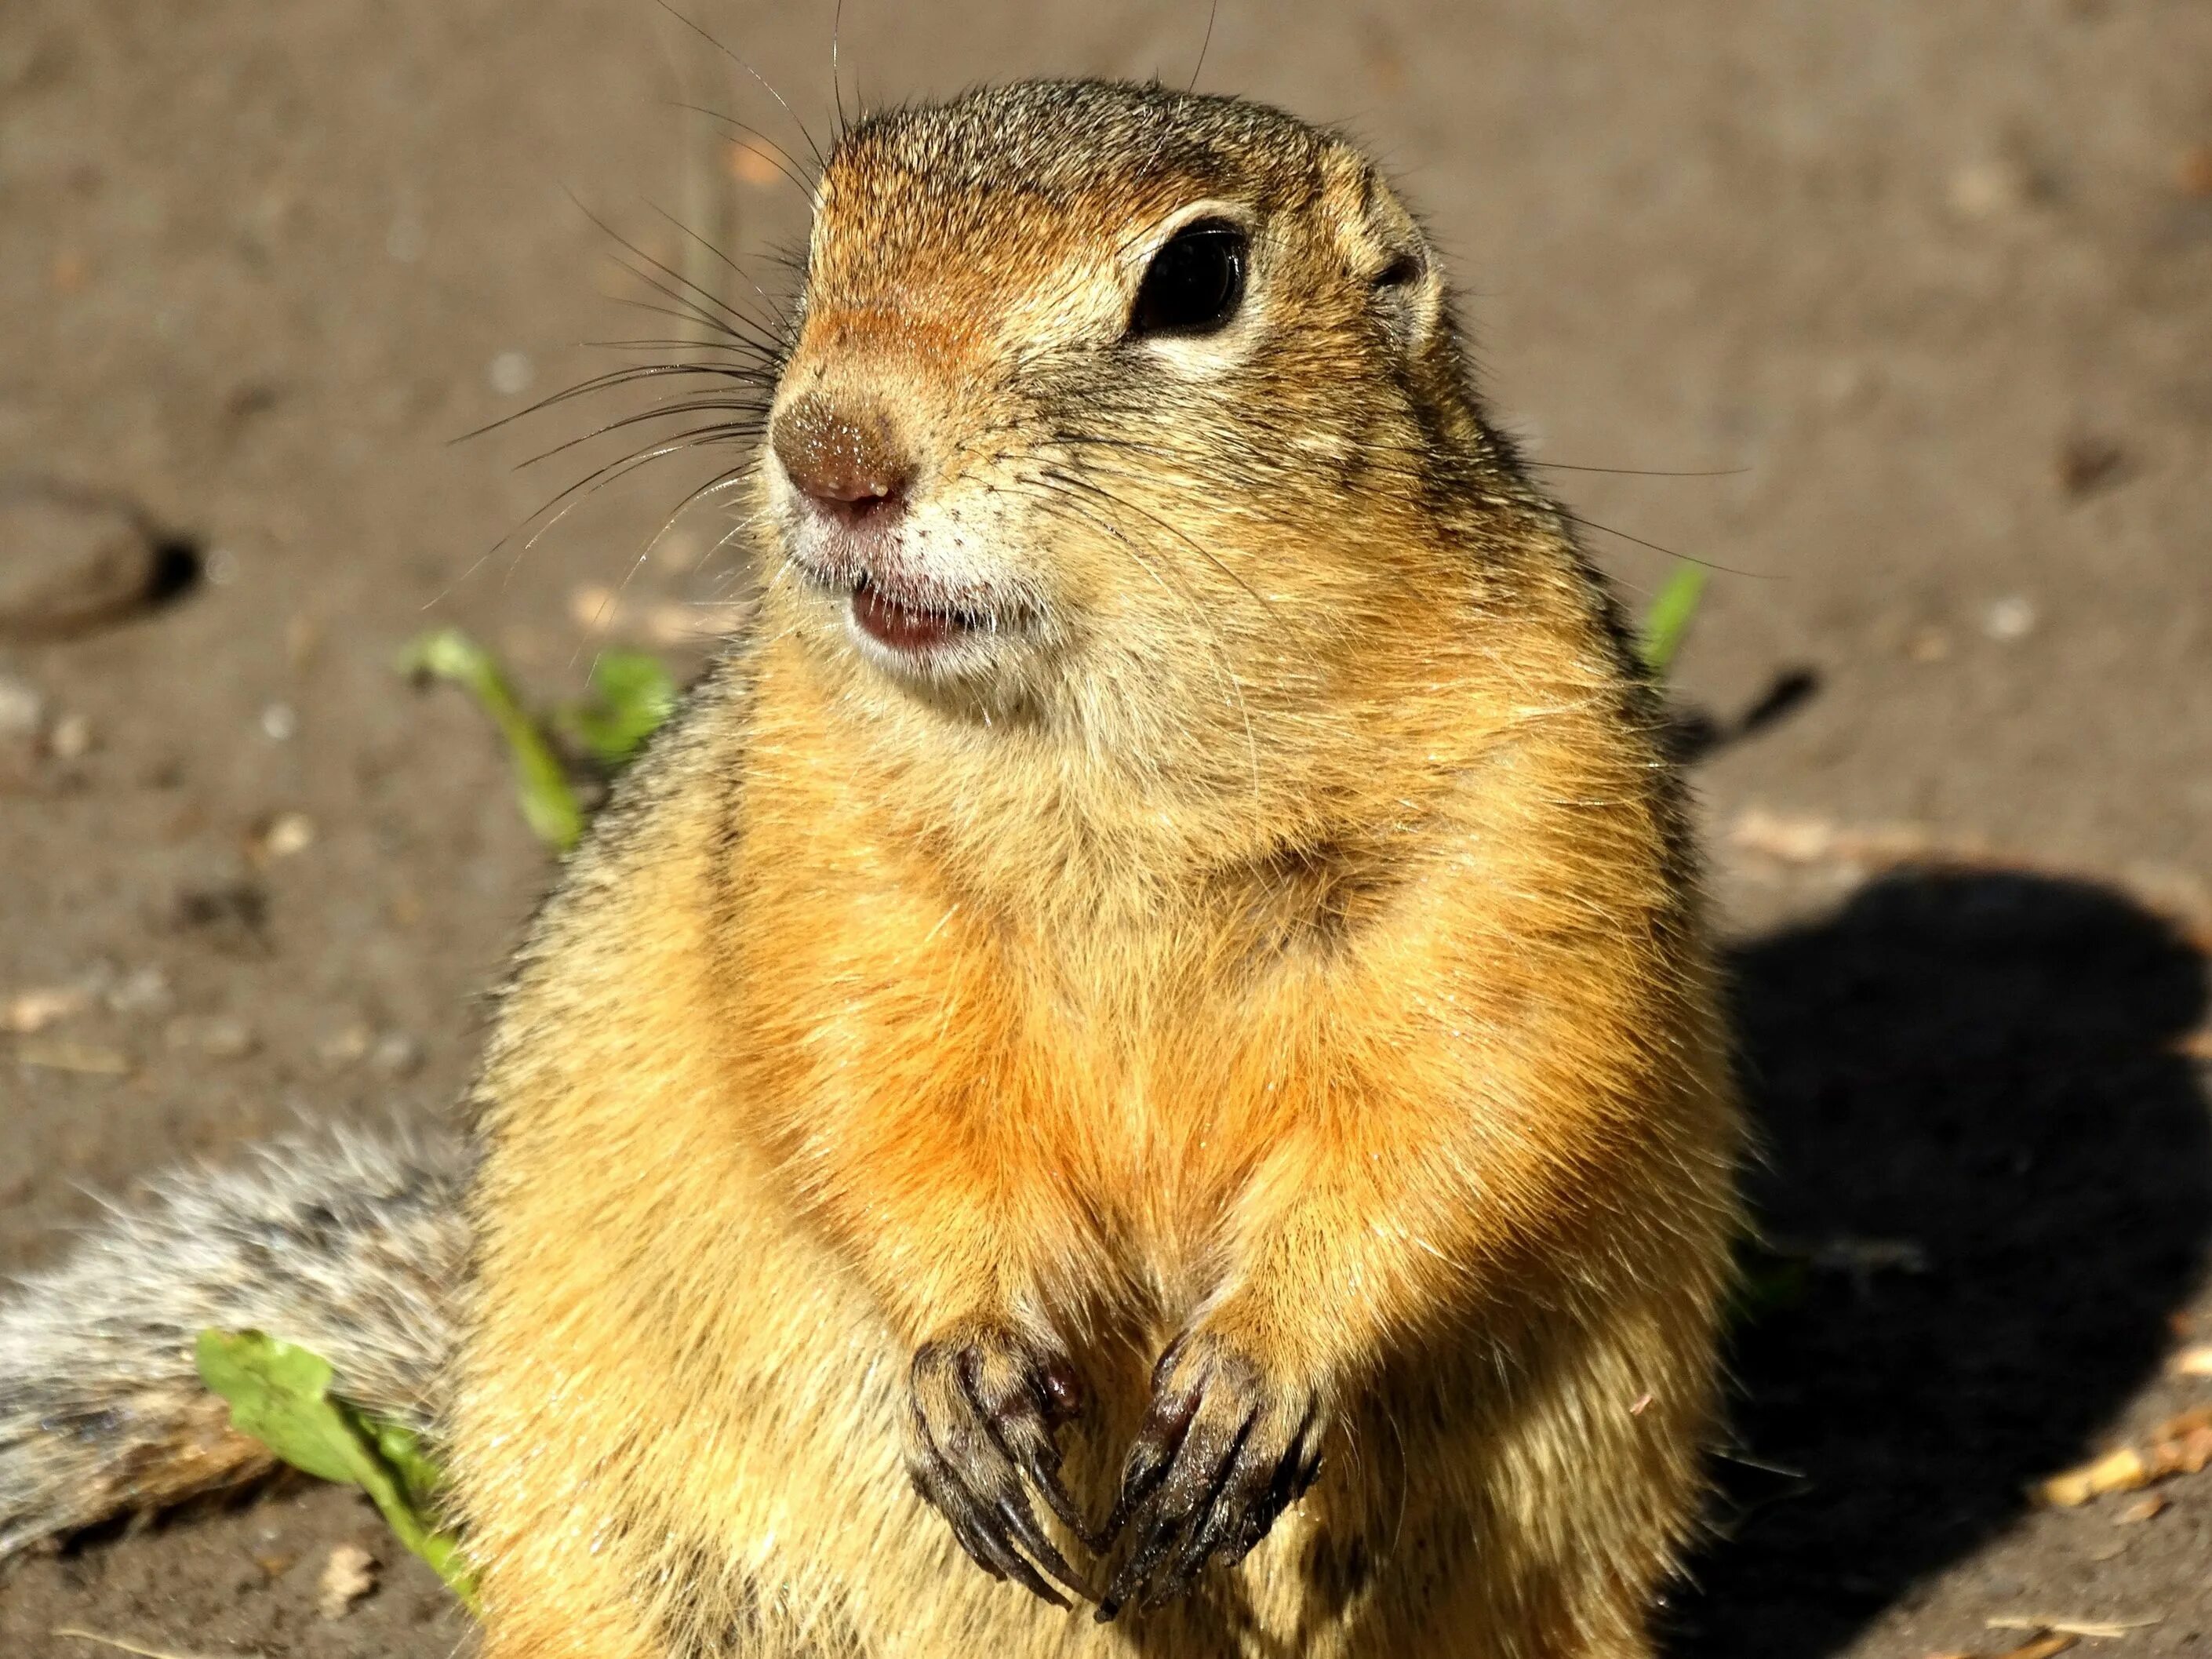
1992, 1167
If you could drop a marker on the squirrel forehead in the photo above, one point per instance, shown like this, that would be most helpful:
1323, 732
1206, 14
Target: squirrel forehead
1011, 184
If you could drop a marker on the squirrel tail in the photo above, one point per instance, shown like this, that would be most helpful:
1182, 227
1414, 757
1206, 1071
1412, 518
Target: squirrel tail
355, 1247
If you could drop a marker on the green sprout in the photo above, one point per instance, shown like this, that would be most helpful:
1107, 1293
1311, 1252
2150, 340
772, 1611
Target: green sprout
279, 1395
1668, 621
630, 696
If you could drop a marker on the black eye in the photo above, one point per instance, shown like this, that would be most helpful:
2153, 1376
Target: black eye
1194, 282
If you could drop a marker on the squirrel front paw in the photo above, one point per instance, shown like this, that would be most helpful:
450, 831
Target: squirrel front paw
1224, 1448
984, 1401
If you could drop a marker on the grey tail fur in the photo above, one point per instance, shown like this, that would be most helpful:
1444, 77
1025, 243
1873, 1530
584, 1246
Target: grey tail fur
355, 1247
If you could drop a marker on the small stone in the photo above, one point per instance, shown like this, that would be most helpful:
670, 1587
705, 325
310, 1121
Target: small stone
280, 836
2147, 1508
27, 1012
2010, 618
280, 722
71, 738
511, 373
397, 1054
349, 1575
219, 1037
22, 708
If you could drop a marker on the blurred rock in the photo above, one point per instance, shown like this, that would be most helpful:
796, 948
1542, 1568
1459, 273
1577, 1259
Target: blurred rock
71, 738
75, 561
22, 710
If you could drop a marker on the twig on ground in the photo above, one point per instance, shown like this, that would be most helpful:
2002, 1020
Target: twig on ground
142, 1652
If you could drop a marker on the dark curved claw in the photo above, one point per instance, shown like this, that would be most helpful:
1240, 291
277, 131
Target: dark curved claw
982, 1406
1223, 1452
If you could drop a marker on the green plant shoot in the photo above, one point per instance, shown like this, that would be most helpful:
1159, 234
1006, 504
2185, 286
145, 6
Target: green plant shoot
631, 697
279, 1395
1667, 621
548, 804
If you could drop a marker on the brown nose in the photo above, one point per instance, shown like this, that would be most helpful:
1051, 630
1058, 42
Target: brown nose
843, 455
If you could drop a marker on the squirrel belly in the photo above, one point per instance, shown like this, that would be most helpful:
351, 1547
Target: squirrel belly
1138, 1071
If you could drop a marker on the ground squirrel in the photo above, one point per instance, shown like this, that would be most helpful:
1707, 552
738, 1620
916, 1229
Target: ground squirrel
1149, 1024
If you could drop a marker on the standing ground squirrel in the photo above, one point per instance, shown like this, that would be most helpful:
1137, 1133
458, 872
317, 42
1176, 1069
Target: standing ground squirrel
1149, 1024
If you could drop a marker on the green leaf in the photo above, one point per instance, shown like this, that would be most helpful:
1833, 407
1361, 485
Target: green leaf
548, 804
419, 1475
632, 696
279, 1395
1669, 617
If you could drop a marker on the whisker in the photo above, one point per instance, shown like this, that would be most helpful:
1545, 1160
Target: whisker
661, 412
818, 158
785, 162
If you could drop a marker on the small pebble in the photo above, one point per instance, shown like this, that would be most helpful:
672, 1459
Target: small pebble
2010, 618
71, 738
279, 722
349, 1575
33, 1011
511, 373
280, 836
22, 708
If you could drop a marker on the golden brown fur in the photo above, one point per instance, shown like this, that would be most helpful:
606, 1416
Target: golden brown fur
1284, 939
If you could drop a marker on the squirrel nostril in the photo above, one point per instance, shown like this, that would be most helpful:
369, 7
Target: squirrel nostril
844, 458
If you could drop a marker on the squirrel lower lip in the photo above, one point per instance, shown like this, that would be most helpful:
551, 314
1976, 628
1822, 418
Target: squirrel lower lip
900, 627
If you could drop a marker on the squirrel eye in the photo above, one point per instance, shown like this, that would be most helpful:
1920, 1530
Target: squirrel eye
1194, 282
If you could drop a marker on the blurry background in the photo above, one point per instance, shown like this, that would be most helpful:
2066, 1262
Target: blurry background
1899, 315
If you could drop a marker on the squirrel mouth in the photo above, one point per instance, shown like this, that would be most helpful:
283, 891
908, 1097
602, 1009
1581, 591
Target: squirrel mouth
907, 628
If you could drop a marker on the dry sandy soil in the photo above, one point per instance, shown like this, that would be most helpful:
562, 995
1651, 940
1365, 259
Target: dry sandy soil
1908, 306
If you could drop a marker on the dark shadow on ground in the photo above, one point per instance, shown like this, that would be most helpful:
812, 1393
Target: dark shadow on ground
1982, 1066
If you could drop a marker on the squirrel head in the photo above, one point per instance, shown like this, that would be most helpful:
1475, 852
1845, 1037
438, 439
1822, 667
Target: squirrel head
1110, 406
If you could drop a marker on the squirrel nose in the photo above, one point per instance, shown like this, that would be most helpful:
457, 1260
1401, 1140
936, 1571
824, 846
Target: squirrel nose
843, 458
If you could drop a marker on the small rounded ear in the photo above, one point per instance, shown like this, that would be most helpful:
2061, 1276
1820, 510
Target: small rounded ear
1385, 248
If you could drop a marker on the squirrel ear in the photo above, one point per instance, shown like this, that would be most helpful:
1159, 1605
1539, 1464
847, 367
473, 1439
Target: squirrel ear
1385, 247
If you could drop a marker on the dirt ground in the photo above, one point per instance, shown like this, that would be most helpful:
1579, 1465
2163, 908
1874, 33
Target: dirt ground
1908, 308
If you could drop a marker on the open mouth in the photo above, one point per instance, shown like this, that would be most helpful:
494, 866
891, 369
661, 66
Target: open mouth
908, 628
